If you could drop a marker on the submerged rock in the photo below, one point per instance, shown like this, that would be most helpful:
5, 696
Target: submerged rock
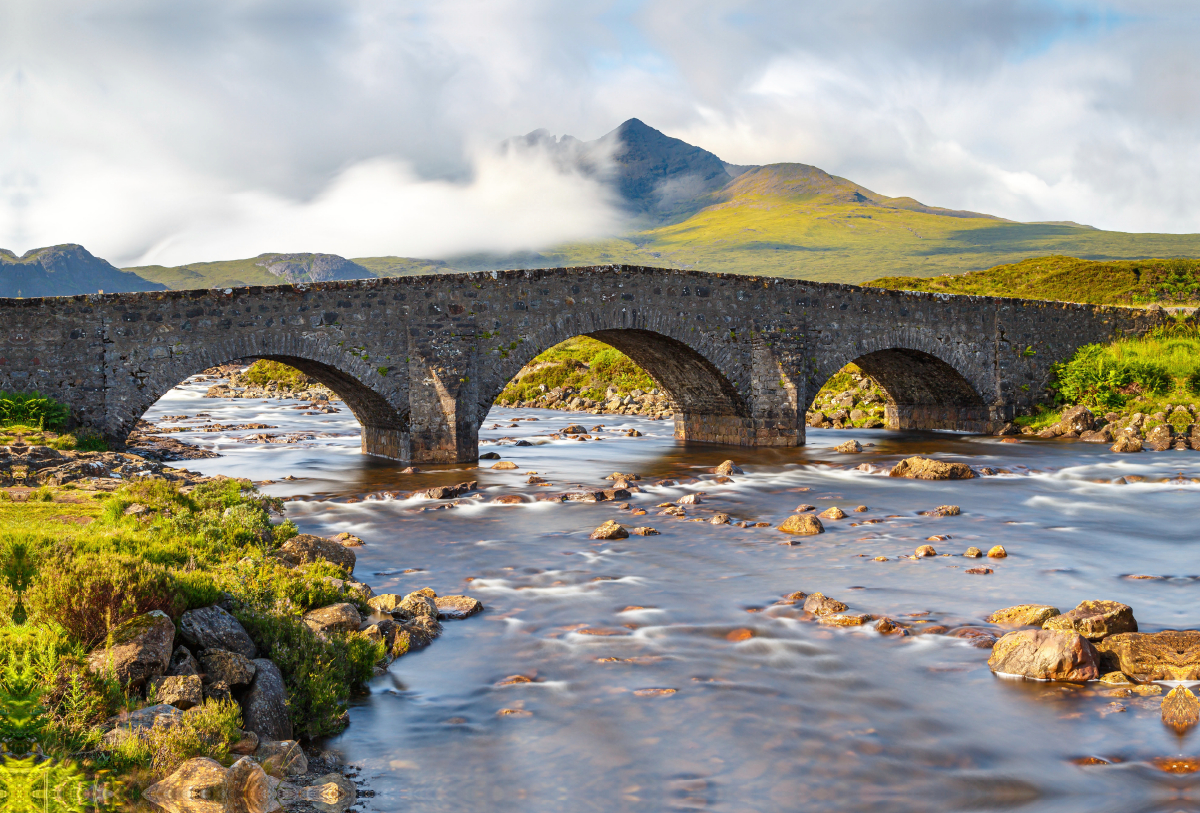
849, 447
610, 530
802, 524
1045, 655
833, 513
457, 607
727, 468
1023, 615
820, 604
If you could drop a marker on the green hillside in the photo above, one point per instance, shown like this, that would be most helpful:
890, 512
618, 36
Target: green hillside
1173, 282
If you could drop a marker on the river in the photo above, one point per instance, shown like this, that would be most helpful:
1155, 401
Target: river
663, 675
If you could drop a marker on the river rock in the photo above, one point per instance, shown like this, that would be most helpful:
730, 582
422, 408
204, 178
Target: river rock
1159, 438
946, 511
1023, 615
973, 552
416, 633
849, 447
457, 607
923, 468
610, 530
330, 793
689, 499
1045, 655
1102, 435
1146, 657
821, 604
925, 551
727, 468
997, 552
1095, 620
573, 429
246, 744
342, 617
233, 668
181, 691
281, 757
508, 499
348, 540
1077, 419
305, 548
140, 649
505, 465
247, 788
644, 530
417, 605
802, 524
213, 627
1127, 443
183, 662
385, 602
1180, 709
489, 456
264, 707
845, 619
833, 513
719, 519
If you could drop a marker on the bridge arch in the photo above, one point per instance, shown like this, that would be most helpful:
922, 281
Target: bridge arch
925, 385
367, 393
701, 379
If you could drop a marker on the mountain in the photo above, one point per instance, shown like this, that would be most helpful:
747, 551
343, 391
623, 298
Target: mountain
62, 271
265, 269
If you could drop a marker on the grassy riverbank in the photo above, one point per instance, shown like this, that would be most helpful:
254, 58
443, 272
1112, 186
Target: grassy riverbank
77, 564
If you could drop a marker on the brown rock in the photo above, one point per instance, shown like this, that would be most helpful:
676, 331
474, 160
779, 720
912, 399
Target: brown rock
1045, 655
505, 465
1095, 620
1023, 615
1166, 655
861, 509
1159, 438
689, 499
946, 511
719, 519
348, 540
1077, 419
924, 468
973, 552
231, 668
457, 607
334, 618
925, 550
181, 691
1127, 443
385, 602
727, 468
508, 499
845, 619
849, 447
997, 552
610, 530
136, 650
802, 524
979, 571
1180, 709
820, 604
306, 548
281, 758
195, 787
417, 604
833, 513
644, 530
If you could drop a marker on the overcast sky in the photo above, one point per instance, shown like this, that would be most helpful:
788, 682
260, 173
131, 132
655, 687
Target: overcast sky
169, 132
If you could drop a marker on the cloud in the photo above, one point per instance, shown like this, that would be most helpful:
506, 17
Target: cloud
206, 130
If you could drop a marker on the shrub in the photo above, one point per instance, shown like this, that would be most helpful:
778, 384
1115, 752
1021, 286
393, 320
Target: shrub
264, 371
203, 731
1192, 382
32, 409
89, 594
1094, 377
318, 672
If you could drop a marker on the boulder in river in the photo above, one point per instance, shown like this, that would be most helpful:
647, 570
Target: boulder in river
1077, 419
610, 530
821, 604
385, 602
727, 468
418, 604
1045, 655
305, 548
136, 650
1095, 620
1159, 438
802, 524
1127, 443
456, 607
505, 465
1023, 615
924, 468
1180, 709
833, 513
973, 552
997, 552
925, 551
849, 447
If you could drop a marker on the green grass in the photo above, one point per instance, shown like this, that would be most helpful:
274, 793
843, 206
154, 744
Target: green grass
1069, 279
585, 364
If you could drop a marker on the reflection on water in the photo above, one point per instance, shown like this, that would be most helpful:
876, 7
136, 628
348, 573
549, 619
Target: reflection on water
658, 672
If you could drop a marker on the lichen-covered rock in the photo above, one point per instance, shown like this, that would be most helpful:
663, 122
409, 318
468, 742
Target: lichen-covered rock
1145, 657
264, 706
181, 691
821, 604
833, 513
849, 447
1045, 655
212, 627
183, 662
385, 602
924, 551
1023, 615
1127, 443
610, 530
417, 605
802, 524
1180, 709
1077, 419
305, 548
924, 468
1095, 620
342, 617
457, 607
415, 633
845, 619
1159, 438
140, 649
233, 668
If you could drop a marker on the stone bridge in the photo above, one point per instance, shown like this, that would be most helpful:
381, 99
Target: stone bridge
419, 360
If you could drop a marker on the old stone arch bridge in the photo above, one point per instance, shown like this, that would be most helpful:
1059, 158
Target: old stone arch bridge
419, 360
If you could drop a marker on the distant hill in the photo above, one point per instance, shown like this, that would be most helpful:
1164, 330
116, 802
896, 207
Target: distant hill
63, 271
1069, 279
265, 269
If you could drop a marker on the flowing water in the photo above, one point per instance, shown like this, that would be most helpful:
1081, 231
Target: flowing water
663, 673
